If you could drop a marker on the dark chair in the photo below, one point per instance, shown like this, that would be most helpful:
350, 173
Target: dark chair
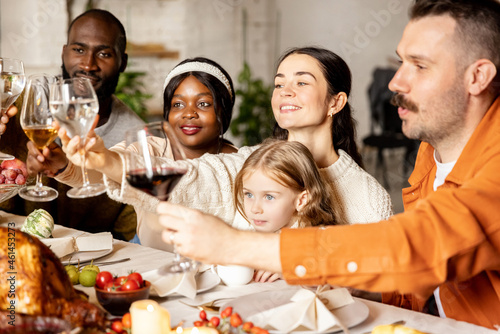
385, 125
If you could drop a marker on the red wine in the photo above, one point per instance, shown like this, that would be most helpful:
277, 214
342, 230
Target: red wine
160, 185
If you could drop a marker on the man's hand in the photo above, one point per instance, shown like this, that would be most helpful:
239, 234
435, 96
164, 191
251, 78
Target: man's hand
51, 160
208, 239
12, 111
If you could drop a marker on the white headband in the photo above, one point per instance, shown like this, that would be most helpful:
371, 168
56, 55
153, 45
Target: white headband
197, 66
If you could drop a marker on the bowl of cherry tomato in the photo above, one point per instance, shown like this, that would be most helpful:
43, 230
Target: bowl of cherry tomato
116, 294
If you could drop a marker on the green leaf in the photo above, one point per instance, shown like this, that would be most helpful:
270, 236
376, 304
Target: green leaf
130, 90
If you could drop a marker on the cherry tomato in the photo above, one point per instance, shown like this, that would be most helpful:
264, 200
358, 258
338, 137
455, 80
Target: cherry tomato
198, 323
130, 285
120, 280
136, 276
215, 321
203, 315
117, 326
258, 330
235, 320
247, 326
103, 278
127, 320
227, 312
110, 286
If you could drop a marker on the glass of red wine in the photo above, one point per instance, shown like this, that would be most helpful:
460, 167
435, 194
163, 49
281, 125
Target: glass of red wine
149, 154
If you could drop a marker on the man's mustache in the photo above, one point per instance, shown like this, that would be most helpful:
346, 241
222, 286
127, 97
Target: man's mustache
398, 100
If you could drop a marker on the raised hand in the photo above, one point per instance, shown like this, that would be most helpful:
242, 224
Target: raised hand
50, 161
11, 112
94, 148
99, 158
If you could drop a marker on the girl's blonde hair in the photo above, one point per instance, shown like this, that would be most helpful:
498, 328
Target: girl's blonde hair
292, 165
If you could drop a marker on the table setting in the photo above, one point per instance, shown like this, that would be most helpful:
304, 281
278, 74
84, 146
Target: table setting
277, 307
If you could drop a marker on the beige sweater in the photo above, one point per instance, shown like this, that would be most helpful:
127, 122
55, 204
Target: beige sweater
208, 186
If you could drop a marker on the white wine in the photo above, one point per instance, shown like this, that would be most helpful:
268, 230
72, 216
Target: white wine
11, 86
77, 116
41, 135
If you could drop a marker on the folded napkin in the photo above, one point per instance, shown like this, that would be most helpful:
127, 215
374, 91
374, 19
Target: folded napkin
164, 285
306, 311
84, 243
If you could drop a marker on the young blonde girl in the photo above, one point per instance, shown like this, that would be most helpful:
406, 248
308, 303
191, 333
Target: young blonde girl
279, 186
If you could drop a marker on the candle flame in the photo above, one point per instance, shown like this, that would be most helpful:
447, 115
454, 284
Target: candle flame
150, 308
195, 330
179, 330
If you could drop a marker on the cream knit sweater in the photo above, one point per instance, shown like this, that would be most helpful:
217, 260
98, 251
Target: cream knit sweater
208, 186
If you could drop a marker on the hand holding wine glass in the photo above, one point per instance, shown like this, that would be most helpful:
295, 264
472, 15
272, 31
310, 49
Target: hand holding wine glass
74, 104
12, 81
36, 121
156, 176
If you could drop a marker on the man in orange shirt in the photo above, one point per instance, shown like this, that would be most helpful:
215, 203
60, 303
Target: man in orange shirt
447, 243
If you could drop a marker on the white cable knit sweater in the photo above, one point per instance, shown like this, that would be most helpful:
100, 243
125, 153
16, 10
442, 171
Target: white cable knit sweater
208, 186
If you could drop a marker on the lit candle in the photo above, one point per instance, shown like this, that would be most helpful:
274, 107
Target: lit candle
148, 317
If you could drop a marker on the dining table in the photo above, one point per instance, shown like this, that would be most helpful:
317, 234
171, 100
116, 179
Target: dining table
184, 310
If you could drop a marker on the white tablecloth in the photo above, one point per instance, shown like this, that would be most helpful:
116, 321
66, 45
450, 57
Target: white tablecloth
144, 259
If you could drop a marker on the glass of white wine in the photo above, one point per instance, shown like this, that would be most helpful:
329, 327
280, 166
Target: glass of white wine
74, 104
12, 81
36, 121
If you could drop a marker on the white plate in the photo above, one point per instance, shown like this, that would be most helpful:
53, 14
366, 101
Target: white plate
249, 305
84, 256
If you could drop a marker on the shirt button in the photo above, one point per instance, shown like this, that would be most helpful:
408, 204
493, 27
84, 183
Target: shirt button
352, 267
300, 271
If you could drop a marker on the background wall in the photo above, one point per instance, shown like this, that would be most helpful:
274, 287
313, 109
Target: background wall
164, 32
364, 32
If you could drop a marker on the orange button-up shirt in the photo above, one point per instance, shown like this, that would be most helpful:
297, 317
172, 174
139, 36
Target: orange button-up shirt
448, 238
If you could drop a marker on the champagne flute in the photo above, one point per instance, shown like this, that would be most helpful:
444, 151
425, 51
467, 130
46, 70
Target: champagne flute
155, 176
12, 82
74, 104
36, 121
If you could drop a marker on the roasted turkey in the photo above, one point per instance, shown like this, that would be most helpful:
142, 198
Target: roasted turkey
33, 281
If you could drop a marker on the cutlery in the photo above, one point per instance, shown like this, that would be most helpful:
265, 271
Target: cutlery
210, 307
104, 263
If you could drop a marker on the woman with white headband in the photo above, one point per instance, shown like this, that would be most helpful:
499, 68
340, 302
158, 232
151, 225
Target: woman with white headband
198, 97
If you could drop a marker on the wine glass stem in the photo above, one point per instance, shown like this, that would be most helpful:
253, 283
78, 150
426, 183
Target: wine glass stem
177, 256
39, 184
84, 170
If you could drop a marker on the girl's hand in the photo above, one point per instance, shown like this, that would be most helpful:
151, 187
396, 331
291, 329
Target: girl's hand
263, 276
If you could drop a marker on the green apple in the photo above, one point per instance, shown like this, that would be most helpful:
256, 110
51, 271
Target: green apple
87, 277
74, 276
70, 267
92, 267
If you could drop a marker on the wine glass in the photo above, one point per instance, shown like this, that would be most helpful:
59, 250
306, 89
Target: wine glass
12, 82
74, 104
156, 176
36, 121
